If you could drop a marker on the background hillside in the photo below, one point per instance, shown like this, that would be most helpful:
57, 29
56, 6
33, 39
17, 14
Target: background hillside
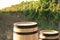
45, 13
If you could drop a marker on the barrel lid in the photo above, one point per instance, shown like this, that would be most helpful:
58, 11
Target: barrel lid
49, 31
24, 23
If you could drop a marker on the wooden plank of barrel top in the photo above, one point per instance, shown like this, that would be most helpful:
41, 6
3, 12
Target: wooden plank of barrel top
49, 35
25, 31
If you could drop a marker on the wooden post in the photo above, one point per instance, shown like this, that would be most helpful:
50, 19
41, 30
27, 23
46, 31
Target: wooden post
25, 31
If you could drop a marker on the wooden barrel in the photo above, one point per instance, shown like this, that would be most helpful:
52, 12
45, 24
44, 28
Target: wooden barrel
50, 35
25, 31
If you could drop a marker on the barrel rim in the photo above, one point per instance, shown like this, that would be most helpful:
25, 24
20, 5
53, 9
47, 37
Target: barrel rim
26, 33
49, 31
25, 23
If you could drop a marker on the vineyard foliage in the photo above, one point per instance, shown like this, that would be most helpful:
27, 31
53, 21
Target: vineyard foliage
45, 12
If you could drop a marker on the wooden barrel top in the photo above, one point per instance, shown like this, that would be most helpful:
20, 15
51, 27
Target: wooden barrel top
49, 31
25, 23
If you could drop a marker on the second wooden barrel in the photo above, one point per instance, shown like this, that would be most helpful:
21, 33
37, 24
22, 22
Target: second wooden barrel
50, 35
25, 31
